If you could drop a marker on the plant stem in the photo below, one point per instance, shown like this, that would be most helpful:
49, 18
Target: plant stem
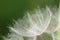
53, 36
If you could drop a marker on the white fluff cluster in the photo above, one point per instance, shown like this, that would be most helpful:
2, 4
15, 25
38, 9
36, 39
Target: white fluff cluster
34, 23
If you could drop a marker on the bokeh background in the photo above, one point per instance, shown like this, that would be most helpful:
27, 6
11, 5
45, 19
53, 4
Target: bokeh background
14, 9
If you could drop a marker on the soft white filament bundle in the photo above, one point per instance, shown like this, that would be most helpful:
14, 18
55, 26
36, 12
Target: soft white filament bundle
34, 23
53, 26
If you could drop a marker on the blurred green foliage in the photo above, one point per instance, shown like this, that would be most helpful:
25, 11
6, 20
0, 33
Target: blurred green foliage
14, 9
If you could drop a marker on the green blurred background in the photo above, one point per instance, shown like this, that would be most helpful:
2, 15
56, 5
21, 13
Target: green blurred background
14, 9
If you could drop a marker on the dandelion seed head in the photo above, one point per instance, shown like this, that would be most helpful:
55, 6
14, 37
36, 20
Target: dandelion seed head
34, 23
